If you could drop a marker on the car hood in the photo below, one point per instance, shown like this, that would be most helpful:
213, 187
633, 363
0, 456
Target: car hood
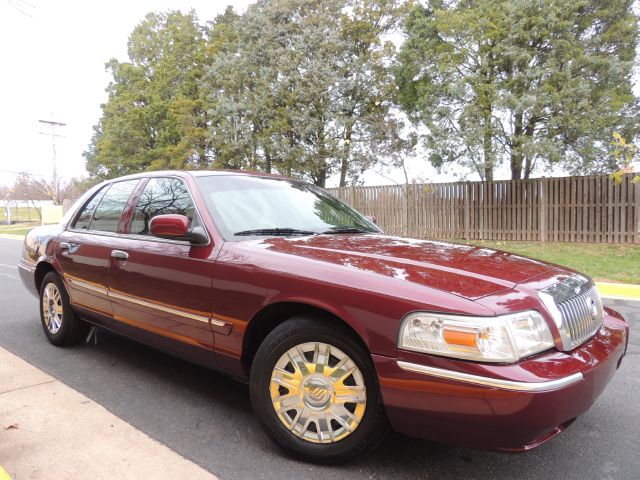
463, 270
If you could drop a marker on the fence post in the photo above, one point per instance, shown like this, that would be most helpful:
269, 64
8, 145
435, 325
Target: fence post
542, 211
466, 211
405, 206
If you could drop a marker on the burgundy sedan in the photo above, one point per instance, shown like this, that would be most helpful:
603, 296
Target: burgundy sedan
340, 330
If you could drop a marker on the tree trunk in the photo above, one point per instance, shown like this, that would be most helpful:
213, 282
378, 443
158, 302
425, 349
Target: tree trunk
344, 167
202, 144
321, 177
254, 147
267, 159
528, 132
516, 150
487, 145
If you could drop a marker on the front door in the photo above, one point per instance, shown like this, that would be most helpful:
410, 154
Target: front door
159, 286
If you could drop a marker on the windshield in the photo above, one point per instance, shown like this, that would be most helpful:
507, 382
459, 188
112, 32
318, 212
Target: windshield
244, 206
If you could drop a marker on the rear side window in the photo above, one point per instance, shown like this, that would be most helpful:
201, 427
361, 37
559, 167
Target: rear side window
161, 196
106, 216
84, 219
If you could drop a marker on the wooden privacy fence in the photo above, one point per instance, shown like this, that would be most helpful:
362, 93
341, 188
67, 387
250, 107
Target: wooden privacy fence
593, 209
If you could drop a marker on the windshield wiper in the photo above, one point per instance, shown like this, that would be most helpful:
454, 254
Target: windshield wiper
345, 229
275, 231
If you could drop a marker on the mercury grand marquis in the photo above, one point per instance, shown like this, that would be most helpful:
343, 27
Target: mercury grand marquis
342, 332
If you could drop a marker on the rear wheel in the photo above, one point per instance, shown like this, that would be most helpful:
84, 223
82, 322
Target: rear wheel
60, 323
315, 391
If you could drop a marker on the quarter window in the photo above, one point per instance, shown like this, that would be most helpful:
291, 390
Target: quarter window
84, 219
107, 215
161, 196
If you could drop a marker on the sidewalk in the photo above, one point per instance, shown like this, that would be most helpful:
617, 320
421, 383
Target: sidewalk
50, 431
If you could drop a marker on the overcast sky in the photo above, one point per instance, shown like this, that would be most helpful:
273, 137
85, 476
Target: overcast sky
53, 56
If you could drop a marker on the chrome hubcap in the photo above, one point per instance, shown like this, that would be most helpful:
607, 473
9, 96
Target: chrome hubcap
318, 392
52, 308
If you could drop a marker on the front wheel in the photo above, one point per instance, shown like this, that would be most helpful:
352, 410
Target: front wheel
315, 391
60, 323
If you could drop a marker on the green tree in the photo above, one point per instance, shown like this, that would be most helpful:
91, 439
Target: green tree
533, 83
624, 154
155, 116
305, 88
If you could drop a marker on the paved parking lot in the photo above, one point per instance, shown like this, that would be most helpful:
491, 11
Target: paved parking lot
207, 417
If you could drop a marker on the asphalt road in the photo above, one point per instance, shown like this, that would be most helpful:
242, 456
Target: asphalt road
207, 417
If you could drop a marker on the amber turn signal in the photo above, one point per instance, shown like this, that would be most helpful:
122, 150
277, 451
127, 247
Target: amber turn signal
457, 337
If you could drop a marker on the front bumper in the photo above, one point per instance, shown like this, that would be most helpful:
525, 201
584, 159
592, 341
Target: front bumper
499, 407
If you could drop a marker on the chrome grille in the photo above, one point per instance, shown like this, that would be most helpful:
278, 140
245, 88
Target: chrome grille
582, 315
576, 308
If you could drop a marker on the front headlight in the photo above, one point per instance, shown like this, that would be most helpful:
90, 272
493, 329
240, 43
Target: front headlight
506, 338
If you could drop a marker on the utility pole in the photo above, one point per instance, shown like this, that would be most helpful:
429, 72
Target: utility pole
52, 131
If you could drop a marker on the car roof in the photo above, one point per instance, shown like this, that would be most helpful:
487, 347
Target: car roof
200, 173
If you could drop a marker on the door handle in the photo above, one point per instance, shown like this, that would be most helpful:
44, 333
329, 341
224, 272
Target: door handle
119, 254
70, 247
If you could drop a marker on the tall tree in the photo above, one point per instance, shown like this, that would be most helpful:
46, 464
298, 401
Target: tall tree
524, 81
155, 115
306, 88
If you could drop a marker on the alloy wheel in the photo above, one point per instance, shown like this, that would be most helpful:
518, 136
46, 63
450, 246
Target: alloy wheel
52, 308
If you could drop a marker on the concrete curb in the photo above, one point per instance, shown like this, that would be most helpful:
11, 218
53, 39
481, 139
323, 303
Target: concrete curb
619, 291
12, 237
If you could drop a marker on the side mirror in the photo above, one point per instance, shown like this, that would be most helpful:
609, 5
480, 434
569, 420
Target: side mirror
169, 226
372, 219
176, 227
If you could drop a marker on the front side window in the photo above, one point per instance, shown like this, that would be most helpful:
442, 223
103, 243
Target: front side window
161, 196
106, 216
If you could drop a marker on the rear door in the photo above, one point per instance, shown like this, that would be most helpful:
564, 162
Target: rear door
161, 286
84, 249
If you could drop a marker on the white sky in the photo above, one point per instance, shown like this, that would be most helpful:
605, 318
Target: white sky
53, 63
53, 58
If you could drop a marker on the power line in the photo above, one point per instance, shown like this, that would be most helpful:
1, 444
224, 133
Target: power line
35, 174
22, 7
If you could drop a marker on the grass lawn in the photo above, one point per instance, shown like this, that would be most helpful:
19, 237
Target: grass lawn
17, 228
20, 214
604, 262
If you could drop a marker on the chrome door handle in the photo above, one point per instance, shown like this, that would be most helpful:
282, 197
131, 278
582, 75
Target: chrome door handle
68, 247
119, 254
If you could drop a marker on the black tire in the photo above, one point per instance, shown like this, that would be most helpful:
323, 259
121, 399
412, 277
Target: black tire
373, 426
72, 330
